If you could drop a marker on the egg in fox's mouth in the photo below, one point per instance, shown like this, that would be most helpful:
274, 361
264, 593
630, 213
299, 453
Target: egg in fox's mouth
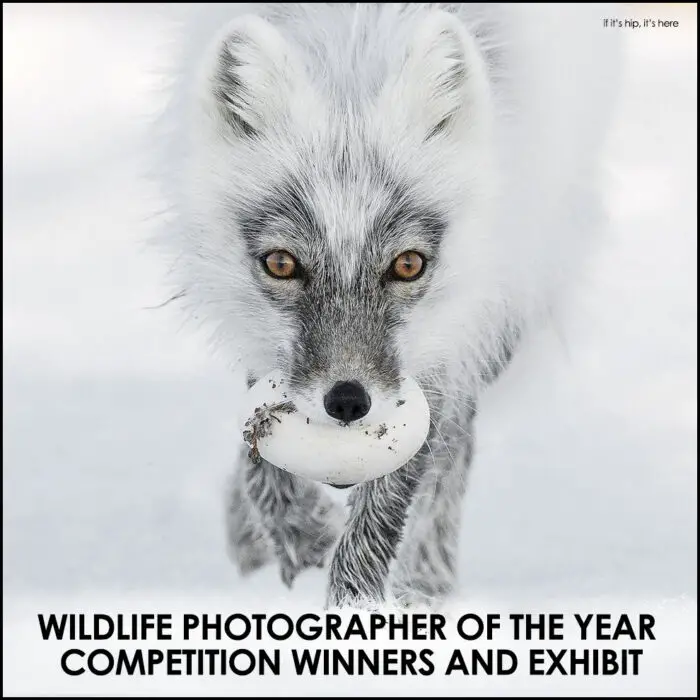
340, 454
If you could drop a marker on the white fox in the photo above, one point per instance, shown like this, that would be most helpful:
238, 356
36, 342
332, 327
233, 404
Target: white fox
363, 191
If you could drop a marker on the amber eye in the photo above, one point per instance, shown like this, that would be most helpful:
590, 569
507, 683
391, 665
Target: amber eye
408, 266
279, 263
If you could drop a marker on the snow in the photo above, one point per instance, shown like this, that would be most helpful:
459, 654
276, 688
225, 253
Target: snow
117, 422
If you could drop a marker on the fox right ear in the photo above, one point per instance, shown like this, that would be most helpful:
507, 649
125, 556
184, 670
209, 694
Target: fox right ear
255, 76
442, 81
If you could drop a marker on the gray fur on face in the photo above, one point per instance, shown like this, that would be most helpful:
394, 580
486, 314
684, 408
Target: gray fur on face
344, 308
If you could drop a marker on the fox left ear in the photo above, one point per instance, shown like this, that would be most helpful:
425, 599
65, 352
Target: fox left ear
442, 81
255, 78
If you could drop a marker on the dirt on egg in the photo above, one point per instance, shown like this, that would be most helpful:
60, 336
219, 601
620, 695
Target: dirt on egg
260, 425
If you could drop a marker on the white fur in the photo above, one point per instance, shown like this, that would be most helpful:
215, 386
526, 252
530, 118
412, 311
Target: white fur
517, 171
496, 116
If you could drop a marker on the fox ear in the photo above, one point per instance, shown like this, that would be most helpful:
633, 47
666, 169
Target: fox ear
255, 76
443, 78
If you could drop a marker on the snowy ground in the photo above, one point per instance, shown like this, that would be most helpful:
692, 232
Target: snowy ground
116, 423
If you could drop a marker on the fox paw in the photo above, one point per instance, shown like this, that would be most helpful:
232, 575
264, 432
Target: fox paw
305, 539
248, 545
422, 592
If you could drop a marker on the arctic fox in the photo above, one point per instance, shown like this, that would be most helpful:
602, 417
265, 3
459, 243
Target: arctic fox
364, 191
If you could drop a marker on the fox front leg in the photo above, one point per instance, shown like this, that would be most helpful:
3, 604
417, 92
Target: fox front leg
249, 543
291, 520
274, 515
402, 535
360, 566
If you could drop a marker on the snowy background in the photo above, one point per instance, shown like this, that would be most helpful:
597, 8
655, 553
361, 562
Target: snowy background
117, 422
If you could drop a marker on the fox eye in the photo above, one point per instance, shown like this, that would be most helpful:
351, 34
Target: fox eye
280, 264
408, 266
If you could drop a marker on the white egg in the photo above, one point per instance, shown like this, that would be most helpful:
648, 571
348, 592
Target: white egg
330, 452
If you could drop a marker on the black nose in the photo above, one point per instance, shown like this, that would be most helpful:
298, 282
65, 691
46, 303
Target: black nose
347, 401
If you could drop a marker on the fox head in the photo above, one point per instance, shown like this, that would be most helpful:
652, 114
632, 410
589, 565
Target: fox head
338, 196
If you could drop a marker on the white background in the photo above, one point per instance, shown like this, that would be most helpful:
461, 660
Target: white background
117, 422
